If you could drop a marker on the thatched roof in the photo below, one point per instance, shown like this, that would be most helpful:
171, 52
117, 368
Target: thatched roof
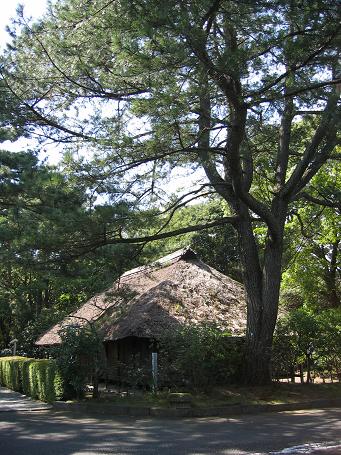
177, 289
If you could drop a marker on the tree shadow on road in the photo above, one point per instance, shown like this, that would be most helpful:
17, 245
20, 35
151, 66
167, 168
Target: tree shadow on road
54, 433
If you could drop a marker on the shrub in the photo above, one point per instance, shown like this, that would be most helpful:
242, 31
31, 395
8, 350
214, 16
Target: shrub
198, 357
80, 357
9, 372
135, 373
38, 378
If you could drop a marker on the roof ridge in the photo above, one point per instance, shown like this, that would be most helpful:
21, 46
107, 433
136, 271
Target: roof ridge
161, 262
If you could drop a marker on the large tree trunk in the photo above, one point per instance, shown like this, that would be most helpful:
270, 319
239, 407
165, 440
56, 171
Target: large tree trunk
262, 314
330, 277
262, 285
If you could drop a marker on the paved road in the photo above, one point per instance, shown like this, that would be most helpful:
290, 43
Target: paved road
14, 401
57, 433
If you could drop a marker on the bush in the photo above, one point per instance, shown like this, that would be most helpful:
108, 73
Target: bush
80, 357
198, 357
38, 378
135, 373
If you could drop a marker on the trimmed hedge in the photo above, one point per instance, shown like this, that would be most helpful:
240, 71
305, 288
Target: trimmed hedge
38, 378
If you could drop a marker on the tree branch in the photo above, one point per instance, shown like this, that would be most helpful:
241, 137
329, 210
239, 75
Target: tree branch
87, 248
297, 91
314, 200
325, 131
295, 68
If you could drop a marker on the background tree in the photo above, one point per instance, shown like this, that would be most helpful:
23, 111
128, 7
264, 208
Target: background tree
40, 210
309, 340
217, 246
312, 270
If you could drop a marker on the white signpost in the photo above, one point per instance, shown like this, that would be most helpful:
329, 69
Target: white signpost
13, 343
154, 371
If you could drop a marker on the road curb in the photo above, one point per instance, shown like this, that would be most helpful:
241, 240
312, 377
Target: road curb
218, 411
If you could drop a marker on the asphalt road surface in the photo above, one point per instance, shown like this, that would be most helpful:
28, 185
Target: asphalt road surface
14, 401
55, 433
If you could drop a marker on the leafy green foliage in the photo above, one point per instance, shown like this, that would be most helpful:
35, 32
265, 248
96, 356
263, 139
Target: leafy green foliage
198, 357
312, 253
79, 358
302, 333
135, 373
328, 352
218, 247
43, 213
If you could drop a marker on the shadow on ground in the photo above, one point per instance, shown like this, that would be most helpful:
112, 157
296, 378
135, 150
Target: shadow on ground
54, 433
14, 401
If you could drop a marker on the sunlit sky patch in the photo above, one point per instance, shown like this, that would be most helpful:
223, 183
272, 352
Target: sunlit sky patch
52, 152
32, 8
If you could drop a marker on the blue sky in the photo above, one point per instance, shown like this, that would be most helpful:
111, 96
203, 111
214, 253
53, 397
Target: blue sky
34, 8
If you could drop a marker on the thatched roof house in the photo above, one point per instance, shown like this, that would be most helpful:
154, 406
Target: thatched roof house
177, 289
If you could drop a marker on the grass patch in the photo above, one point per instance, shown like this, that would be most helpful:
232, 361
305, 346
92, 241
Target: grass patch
274, 394
277, 393
146, 399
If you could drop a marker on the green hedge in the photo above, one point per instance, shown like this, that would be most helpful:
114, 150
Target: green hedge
38, 378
